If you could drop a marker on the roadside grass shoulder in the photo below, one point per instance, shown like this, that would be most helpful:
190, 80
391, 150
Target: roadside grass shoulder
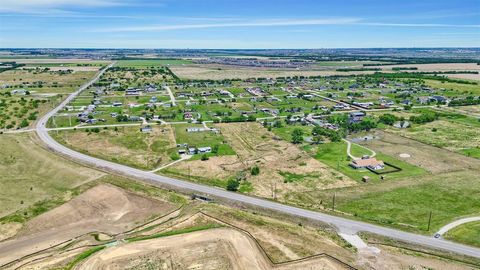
408, 207
82, 256
468, 234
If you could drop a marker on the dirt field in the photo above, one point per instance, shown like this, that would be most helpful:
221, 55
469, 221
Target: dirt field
279, 162
393, 258
111, 210
217, 72
436, 67
50, 60
430, 158
465, 76
212, 249
104, 208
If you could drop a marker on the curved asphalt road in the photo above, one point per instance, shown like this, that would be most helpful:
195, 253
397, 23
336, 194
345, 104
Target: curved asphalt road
343, 224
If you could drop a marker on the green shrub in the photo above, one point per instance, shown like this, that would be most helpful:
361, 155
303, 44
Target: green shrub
255, 170
233, 184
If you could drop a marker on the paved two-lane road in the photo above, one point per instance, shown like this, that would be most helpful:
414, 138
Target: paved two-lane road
343, 224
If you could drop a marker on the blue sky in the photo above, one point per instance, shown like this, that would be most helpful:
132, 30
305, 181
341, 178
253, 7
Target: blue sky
239, 23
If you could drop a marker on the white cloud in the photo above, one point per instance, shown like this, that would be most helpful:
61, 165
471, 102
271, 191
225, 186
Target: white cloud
57, 6
253, 23
263, 23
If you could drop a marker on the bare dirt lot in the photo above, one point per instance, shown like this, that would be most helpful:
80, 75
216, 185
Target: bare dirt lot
212, 249
437, 67
245, 240
431, 158
219, 72
104, 208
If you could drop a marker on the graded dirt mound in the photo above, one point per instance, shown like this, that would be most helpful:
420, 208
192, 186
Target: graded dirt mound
211, 249
104, 208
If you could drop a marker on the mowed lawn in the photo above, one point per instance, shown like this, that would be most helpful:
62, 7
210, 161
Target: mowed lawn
335, 155
468, 233
29, 174
407, 204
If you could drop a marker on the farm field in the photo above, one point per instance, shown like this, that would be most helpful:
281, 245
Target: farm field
436, 67
126, 145
53, 61
152, 63
215, 72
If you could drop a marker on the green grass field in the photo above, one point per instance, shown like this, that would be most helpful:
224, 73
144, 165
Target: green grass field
406, 203
468, 233
125, 145
460, 87
29, 174
285, 132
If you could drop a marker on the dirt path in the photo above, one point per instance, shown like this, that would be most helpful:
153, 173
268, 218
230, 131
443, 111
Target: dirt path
349, 147
456, 223
184, 157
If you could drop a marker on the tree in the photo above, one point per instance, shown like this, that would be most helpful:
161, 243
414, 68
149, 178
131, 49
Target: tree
297, 136
255, 170
232, 185
388, 119
215, 149
24, 123
204, 157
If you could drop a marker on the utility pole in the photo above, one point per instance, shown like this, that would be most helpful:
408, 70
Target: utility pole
429, 221
333, 205
275, 191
